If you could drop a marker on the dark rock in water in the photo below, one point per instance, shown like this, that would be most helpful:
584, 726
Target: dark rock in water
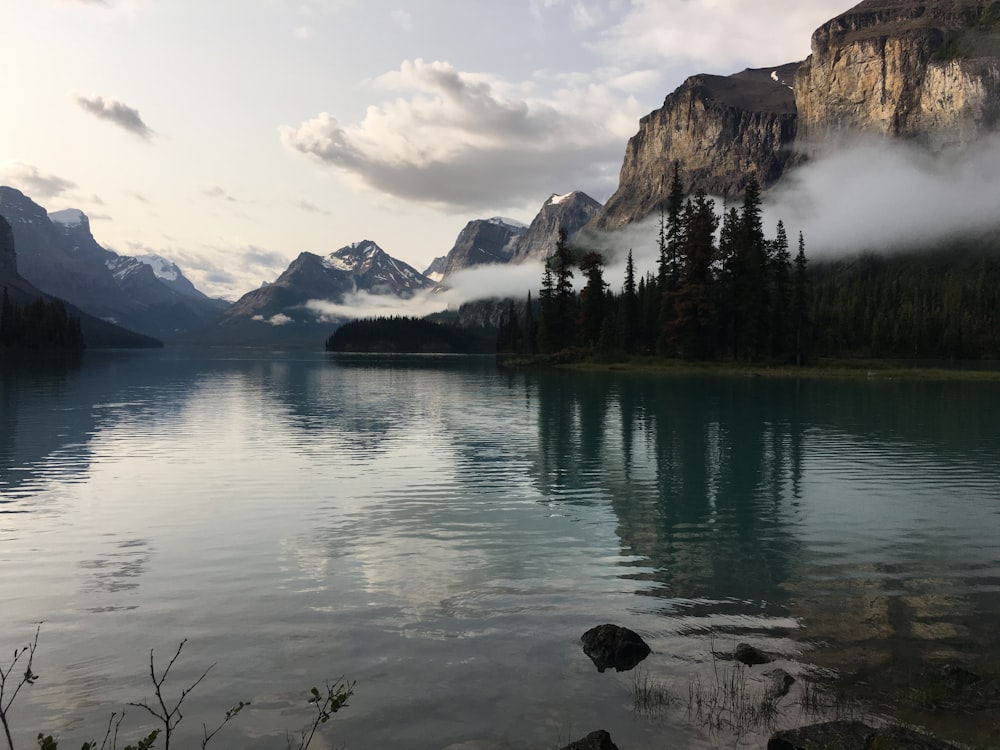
599, 740
854, 735
958, 676
751, 655
779, 682
831, 735
612, 646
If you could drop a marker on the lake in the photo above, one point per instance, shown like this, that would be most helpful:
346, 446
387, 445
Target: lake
443, 532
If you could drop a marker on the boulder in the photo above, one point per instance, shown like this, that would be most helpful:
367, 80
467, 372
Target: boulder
854, 735
779, 682
751, 655
599, 740
612, 646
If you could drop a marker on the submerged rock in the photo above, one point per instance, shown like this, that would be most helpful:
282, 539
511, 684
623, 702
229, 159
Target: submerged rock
779, 682
751, 655
599, 740
612, 646
854, 735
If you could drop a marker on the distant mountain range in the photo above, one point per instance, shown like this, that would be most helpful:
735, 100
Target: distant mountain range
57, 254
21, 292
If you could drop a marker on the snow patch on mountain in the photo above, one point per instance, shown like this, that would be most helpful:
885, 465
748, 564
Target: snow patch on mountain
504, 221
555, 200
162, 268
69, 217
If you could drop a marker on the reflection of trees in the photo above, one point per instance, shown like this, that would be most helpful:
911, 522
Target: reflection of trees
743, 494
701, 517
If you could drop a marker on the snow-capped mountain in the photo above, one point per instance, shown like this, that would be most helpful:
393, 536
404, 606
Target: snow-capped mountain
289, 311
58, 254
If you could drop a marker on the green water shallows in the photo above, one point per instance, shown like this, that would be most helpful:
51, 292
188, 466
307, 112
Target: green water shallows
443, 532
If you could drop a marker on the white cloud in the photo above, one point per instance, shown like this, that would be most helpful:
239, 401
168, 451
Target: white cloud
31, 182
480, 282
882, 194
280, 319
715, 35
463, 141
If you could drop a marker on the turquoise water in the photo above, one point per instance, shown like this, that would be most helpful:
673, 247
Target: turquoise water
443, 532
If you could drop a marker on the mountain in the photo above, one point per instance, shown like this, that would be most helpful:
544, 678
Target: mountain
483, 242
58, 254
96, 333
720, 129
289, 311
435, 271
925, 70
571, 212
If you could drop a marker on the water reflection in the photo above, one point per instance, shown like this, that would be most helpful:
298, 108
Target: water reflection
473, 523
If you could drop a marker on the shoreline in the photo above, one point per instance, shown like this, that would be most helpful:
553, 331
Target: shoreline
841, 369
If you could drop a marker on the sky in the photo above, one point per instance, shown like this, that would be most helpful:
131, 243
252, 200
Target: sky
231, 135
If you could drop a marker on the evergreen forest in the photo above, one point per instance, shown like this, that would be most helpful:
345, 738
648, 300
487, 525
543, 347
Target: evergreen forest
722, 290
39, 324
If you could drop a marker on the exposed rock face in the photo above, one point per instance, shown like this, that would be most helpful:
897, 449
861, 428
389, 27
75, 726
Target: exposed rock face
571, 212
483, 242
924, 70
720, 130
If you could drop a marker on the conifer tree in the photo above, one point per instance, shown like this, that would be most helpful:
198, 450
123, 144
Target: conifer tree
781, 293
800, 303
593, 307
629, 317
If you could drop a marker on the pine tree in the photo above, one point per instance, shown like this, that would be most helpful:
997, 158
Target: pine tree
800, 303
781, 292
629, 317
593, 307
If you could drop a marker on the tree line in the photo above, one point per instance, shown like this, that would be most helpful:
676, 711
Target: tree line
40, 324
721, 290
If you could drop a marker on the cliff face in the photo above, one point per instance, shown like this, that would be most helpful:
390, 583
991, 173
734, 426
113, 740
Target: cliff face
925, 70
720, 129
570, 212
482, 242
921, 70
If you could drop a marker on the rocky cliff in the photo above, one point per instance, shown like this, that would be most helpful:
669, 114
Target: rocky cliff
926, 70
571, 212
483, 242
719, 129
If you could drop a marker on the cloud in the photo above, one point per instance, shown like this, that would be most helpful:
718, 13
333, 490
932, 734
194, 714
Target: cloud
116, 112
466, 141
715, 35
33, 183
888, 194
480, 282
311, 208
214, 191
280, 319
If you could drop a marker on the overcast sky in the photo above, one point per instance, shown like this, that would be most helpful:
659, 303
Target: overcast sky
230, 135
